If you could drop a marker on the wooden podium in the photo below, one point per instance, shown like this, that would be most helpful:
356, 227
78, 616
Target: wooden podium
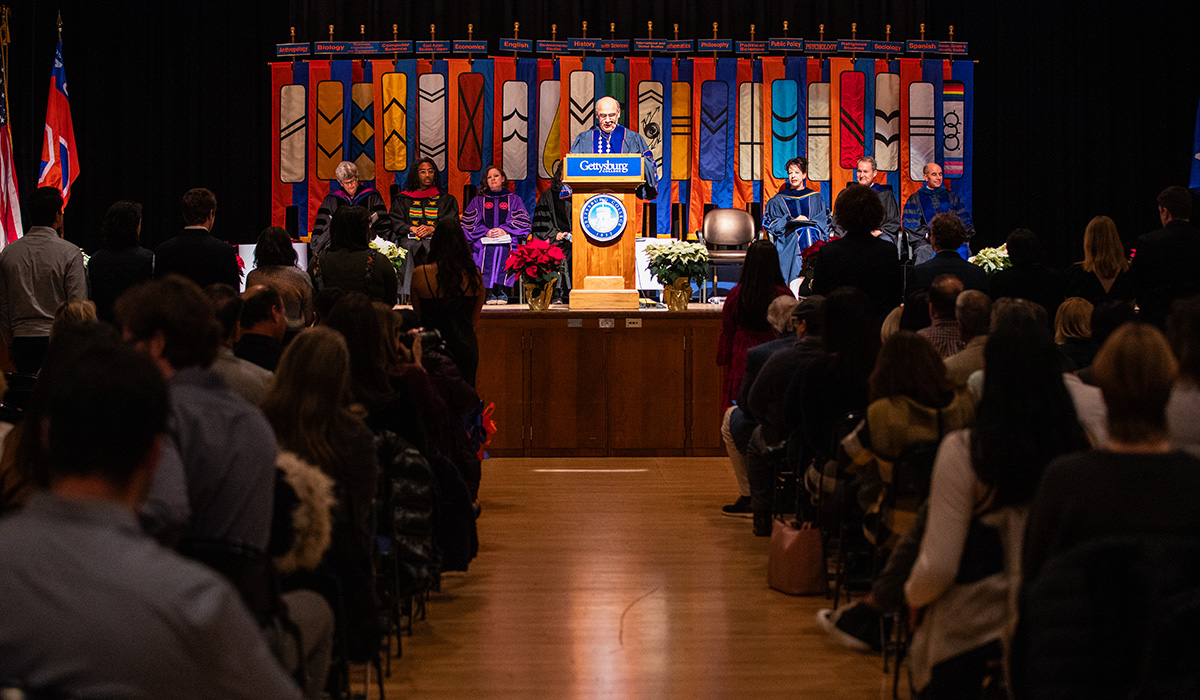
603, 250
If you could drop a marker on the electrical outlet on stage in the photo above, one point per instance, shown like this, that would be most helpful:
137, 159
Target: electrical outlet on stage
633, 323
607, 323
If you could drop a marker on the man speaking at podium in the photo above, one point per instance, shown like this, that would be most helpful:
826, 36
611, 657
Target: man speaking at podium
610, 137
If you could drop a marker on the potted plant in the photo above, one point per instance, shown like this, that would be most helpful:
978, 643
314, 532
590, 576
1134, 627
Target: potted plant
992, 259
390, 250
674, 264
538, 263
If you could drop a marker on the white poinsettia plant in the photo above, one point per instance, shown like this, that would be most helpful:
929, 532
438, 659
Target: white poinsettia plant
675, 260
992, 259
390, 250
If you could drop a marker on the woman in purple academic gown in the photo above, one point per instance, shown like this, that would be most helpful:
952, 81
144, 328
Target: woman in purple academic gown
493, 222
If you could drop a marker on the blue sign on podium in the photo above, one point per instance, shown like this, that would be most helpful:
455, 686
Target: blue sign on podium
617, 167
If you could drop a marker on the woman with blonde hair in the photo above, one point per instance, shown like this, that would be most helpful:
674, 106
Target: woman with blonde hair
1104, 273
1073, 331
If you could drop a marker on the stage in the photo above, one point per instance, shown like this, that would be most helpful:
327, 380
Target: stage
601, 383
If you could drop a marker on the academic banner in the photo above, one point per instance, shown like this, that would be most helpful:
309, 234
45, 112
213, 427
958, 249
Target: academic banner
721, 130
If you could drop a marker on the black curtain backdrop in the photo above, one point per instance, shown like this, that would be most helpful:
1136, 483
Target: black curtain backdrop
1081, 109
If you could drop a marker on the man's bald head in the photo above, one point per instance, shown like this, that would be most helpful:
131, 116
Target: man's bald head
608, 113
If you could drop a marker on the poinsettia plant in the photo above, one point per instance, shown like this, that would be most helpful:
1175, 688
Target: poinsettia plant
677, 259
992, 259
391, 251
809, 255
536, 261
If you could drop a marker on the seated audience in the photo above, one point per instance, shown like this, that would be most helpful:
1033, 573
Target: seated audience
122, 262
91, 606
744, 316
1111, 546
1106, 318
960, 588
1028, 278
275, 267
945, 332
739, 419
859, 259
914, 312
448, 295
72, 313
1183, 410
245, 378
309, 407
973, 309
1073, 331
261, 327
1103, 275
913, 401
350, 264
946, 234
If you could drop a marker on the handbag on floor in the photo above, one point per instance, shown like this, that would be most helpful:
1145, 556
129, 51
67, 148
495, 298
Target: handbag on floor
797, 561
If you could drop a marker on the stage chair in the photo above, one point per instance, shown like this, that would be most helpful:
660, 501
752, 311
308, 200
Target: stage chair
727, 233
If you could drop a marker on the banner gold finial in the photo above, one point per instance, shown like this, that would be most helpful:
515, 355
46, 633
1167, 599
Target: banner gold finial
470, 31
922, 31
752, 32
952, 32
888, 36
516, 30
822, 32
293, 34
676, 31
331, 32
554, 32
854, 30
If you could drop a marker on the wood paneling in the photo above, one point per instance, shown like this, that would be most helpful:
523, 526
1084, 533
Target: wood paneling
646, 384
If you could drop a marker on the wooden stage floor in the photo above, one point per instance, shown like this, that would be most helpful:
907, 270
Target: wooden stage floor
620, 578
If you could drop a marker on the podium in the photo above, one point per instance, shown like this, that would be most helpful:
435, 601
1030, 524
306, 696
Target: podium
603, 251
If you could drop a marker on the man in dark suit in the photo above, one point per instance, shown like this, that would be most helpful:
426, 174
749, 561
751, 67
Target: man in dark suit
1164, 266
946, 234
859, 259
195, 253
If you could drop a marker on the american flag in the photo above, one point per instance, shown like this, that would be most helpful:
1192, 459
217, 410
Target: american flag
60, 165
10, 208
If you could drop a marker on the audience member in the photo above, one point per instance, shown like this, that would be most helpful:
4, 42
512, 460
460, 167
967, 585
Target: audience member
195, 253
1104, 273
350, 193
961, 584
1106, 318
416, 212
767, 401
324, 301
914, 312
1183, 329
350, 264
309, 406
245, 378
1164, 267
1111, 544
91, 606
38, 272
72, 313
739, 418
946, 233
448, 295
262, 327
275, 267
973, 309
913, 401
744, 316
1028, 278
945, 333
493, 222
859, 259
1073, 331
122, 262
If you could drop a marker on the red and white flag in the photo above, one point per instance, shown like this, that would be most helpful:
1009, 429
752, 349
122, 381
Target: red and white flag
60, 165
10, 208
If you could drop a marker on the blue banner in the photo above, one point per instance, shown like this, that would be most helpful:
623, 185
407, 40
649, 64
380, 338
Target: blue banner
1195, 184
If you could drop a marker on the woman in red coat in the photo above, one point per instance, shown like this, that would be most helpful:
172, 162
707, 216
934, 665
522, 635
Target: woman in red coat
744, 318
